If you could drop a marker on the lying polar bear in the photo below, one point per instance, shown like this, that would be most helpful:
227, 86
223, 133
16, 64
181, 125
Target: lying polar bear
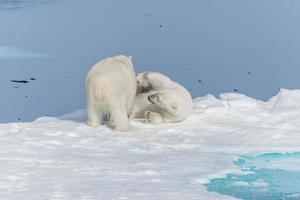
111, 90
160, 100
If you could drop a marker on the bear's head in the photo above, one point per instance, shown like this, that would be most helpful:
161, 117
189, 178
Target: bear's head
164, 100
142, 82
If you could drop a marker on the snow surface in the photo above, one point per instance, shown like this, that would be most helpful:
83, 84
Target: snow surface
62, 158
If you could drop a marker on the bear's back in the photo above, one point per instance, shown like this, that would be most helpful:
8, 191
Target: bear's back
115, 71
112, 79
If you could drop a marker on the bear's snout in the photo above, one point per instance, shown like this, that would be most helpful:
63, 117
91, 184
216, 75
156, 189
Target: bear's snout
153, 98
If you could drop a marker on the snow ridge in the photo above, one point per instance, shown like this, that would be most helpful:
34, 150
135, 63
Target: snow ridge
62, 158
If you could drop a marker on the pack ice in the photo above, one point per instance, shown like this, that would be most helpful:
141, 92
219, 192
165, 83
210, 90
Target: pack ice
63, 158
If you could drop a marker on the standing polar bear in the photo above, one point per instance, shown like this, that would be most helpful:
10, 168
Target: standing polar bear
111, 90
161, 100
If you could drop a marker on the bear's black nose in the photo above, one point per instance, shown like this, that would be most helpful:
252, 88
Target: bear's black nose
150, 99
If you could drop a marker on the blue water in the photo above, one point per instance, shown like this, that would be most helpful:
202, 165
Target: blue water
208, 46
17, 4
276, 178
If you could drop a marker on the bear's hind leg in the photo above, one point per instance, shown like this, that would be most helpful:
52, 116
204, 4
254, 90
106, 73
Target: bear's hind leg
153, 118
119, 119
94, 117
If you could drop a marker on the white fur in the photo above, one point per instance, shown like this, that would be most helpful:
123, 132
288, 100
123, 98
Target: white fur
142, 104
161, 100
111, 89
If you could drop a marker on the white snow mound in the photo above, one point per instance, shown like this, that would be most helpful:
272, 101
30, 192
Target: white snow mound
62, 158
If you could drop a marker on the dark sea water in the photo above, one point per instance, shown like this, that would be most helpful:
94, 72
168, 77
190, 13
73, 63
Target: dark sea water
208, 46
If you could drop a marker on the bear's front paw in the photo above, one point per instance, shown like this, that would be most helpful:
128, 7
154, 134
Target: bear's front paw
153, 118
147, 116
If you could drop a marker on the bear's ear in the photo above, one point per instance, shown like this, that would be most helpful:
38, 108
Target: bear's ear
174, 105
139, 78
130, 57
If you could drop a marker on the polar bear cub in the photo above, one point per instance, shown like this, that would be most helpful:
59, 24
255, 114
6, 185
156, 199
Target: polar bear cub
161, 100
111, 90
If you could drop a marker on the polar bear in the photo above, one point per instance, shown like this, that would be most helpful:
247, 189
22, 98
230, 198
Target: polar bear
111, 90
161, 100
